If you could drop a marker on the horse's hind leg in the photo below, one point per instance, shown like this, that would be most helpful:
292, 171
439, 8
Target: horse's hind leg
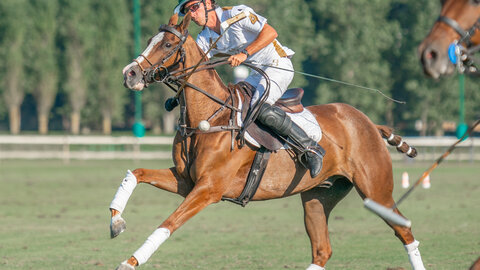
379, 187
317, 205
166, 179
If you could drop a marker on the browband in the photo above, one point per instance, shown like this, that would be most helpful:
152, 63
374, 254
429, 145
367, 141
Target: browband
174, 31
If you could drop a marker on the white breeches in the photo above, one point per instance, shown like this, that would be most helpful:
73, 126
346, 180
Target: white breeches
279, 80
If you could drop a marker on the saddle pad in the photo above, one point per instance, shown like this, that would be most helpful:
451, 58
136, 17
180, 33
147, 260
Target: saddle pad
259, 135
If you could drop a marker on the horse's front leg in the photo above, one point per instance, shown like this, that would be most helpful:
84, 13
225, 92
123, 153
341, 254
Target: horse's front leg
205, 192
166, 179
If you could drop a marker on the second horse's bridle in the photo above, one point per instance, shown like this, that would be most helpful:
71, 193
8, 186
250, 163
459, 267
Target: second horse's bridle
460, 56
465, 35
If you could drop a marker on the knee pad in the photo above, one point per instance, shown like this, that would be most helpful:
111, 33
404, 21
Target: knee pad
275, 118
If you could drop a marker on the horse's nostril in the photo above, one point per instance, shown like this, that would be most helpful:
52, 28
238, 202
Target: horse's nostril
132, 73
430, 54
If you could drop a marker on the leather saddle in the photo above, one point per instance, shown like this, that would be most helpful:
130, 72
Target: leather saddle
291, 102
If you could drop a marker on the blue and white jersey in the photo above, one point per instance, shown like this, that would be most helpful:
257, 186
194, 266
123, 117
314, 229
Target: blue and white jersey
240, 35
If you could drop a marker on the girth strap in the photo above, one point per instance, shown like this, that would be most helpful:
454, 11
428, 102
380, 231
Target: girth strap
254, 177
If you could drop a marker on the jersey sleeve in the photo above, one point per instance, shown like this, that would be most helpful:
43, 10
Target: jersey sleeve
253, 22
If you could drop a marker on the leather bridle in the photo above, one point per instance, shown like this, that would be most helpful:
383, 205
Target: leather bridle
173, 76
158, 67
465, 35
461, 56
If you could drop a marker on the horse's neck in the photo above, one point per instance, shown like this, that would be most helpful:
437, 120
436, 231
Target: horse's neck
199, 106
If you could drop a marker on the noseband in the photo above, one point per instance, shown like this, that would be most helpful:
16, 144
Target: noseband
465, 35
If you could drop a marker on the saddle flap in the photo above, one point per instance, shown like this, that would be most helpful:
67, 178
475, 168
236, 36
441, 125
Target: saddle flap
291, 101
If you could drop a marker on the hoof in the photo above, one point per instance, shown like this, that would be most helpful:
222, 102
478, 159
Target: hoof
125, 266
117, 226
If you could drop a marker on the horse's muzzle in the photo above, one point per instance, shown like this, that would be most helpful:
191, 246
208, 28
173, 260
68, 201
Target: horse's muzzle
433, 54
133, 78
435, 62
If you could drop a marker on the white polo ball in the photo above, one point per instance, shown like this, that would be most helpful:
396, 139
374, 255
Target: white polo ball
204, 125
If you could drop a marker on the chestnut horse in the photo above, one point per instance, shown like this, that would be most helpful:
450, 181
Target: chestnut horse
459, 20
207, 168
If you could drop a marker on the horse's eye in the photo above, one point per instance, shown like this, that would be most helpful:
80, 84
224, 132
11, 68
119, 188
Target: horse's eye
168, 45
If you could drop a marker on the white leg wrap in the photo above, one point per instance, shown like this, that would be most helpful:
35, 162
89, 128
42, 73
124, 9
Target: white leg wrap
151, 245
414, 255
315, 267
124, 191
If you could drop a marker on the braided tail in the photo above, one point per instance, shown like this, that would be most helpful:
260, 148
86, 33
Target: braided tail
397, 141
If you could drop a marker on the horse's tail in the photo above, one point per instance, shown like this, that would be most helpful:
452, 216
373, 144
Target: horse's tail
397, 141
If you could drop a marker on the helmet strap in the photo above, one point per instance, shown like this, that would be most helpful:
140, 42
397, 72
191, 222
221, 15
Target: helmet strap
206, 13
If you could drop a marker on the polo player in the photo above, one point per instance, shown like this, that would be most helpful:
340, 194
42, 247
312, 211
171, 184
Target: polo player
252, 38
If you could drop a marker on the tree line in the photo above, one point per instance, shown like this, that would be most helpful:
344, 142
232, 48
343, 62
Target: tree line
61, 62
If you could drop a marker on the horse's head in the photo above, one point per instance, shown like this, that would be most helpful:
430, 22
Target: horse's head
457, 18
164, 51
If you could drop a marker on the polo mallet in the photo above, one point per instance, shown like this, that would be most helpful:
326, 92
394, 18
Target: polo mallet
387, 213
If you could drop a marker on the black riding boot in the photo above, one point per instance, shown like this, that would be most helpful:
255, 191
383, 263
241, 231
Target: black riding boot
309, 152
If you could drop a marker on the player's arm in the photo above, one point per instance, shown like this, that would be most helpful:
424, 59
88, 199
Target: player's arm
266, 36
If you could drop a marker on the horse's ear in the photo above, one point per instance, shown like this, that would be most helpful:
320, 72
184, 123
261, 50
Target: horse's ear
186, 22
173, 19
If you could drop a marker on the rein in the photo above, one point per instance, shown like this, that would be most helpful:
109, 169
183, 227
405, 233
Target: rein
181, 81
159, 73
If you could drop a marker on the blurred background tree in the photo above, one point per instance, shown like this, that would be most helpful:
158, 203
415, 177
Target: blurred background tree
352, 37
77, 34
113, 22
12, 75
69, 55
154, 13
430, 101
42, 64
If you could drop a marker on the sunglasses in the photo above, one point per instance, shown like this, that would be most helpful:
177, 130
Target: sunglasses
193, 7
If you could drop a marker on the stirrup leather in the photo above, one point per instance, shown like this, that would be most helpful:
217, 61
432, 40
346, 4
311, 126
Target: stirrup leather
316, 150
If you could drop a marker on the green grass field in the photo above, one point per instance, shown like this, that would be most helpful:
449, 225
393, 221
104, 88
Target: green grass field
55, 216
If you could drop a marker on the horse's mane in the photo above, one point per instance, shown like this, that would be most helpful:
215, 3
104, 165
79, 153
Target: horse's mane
205, 58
